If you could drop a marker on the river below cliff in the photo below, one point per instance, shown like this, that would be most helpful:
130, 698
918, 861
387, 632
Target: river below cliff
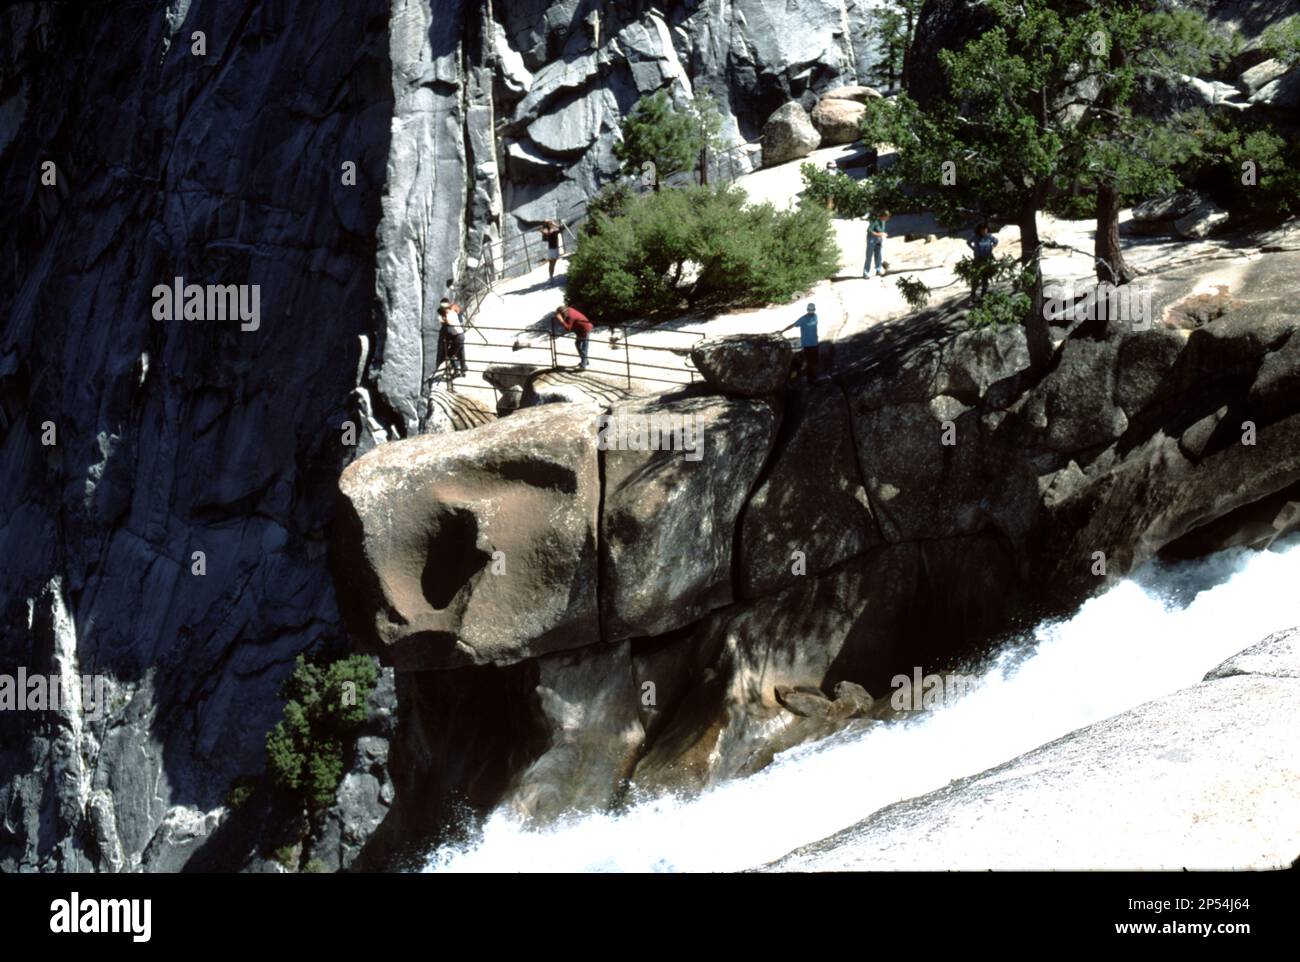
1154, 633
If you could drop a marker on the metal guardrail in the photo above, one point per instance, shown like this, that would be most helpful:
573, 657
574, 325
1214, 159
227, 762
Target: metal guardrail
498, 262
548, 354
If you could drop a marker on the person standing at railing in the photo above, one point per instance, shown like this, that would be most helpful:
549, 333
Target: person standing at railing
574, 320
807, 325
551, 231
454, 333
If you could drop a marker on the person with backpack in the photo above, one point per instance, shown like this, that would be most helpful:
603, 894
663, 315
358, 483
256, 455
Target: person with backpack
453, 333
876, 244
981, 246
574, 320
551, 231
807, 325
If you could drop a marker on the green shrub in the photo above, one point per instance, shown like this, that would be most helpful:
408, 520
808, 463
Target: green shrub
999, 308
325, 704
697, 245
845, 196
240, 792
1282, 40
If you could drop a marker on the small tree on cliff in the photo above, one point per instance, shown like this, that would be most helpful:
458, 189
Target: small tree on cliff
657, 134
892, 30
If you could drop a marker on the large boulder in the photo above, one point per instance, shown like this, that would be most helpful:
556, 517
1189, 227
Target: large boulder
668, 527
838, 121
446, 411
744, 365
788, 135
855, 92
811, 512
1158, 215
473, 548
1201, 222
974, 361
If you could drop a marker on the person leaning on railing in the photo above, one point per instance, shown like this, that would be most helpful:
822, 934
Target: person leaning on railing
574, 320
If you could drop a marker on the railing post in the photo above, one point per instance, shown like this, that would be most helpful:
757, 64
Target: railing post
627, 359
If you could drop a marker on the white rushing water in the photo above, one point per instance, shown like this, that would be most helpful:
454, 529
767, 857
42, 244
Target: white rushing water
1152, 634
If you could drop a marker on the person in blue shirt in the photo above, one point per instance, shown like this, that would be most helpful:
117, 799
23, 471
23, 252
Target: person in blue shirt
808, 341
876, 244
981, 246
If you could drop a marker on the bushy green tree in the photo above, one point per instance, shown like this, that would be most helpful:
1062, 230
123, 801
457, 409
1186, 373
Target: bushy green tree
837, 191
1118, 152
1282, 40
698, 245
655, 132
1039, 103
324, 705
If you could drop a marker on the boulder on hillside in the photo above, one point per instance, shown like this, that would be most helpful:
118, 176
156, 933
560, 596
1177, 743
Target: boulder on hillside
677, 471
744, 365
473, 548
1157, 215
856, 92
838, 121
788, 135
1201, 222
804, 700
1281, 93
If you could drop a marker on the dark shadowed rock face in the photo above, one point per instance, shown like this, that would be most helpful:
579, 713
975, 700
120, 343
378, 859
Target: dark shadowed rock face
173, 437
346, 161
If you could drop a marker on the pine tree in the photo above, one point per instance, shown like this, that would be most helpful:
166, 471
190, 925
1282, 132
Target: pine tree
657, 134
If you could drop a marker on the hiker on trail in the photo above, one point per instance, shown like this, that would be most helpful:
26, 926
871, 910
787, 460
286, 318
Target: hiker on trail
453, 332
808, 341
981, 246
576, 321
876, 244
551, 231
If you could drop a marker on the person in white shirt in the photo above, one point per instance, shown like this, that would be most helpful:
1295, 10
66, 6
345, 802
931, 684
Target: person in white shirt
454, 332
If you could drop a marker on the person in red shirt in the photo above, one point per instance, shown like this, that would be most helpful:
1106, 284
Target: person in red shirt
576, 321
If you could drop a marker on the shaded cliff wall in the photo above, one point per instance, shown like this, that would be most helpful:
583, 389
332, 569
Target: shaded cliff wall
172, 437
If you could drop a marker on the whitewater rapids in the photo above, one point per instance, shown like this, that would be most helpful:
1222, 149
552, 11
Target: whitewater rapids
1159, 631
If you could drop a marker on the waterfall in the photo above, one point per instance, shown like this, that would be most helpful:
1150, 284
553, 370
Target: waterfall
1156, 632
